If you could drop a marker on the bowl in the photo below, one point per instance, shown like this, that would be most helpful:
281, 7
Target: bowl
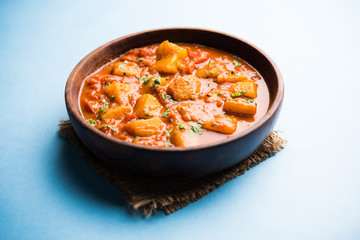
189, 162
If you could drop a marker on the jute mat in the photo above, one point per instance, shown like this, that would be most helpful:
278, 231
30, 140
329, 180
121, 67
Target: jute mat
148, 194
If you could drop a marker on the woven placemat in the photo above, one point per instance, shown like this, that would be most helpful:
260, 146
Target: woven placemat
150, 194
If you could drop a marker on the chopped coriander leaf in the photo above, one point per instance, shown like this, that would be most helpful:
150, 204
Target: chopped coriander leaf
91, 101
200, 122
166, 113
124, 73
112, 96
169, 131
145, 79
231, 72
135, 139
236, 63
175, 102
104, 101
171, 120
211, 72
108, 126
196, 129
238, 94
112, 127
155, 83
91, 122
166, 78
208, 65
220, 93
107, 83
121, 67
139, 60
147, 113
101, 110
181, 127
250, 100
165, 96
126, 62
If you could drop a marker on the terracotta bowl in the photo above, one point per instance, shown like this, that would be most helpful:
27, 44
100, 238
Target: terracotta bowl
187, 162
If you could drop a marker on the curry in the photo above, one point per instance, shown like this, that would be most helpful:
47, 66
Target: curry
174, 95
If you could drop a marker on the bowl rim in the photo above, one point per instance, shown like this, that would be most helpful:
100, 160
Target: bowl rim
270, 112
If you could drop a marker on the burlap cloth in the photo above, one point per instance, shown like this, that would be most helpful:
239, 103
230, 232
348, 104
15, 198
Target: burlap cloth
150, 194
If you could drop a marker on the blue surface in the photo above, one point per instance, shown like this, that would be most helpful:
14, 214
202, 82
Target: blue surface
310, 190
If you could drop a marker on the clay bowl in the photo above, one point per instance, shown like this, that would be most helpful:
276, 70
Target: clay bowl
187, 162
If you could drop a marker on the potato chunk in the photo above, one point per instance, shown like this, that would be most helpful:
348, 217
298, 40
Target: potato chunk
167, 48
118, 112
241, 105
147, 106
197, 111
119, 92
125, 69
222, 124
247, 88
231, 77
145, 127
170, 64
185, 88
211, 70
180, 137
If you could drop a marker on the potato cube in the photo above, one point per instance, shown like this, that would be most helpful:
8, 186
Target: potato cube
211, 70
247, 88
167, 48
120, 92
196, 111
125, 69
222, 124
170, 64
147, 106
145, 127
231, 77
185, 88
180, 137
118, 112
241, 105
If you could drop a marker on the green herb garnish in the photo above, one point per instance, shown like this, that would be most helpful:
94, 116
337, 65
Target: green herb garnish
249, 100
196, 129
166, 113
236, 63
107, 83
147, 113
165, 96
145, 79
168, 132
126, 62
104, 101
101, 110
139, 60
238, 94
155, 83
91, 122
112, 127
181, 127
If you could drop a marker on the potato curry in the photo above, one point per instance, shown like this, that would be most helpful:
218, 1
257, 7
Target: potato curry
174, 95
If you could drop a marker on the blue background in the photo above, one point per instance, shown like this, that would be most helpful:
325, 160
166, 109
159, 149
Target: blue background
310, 190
